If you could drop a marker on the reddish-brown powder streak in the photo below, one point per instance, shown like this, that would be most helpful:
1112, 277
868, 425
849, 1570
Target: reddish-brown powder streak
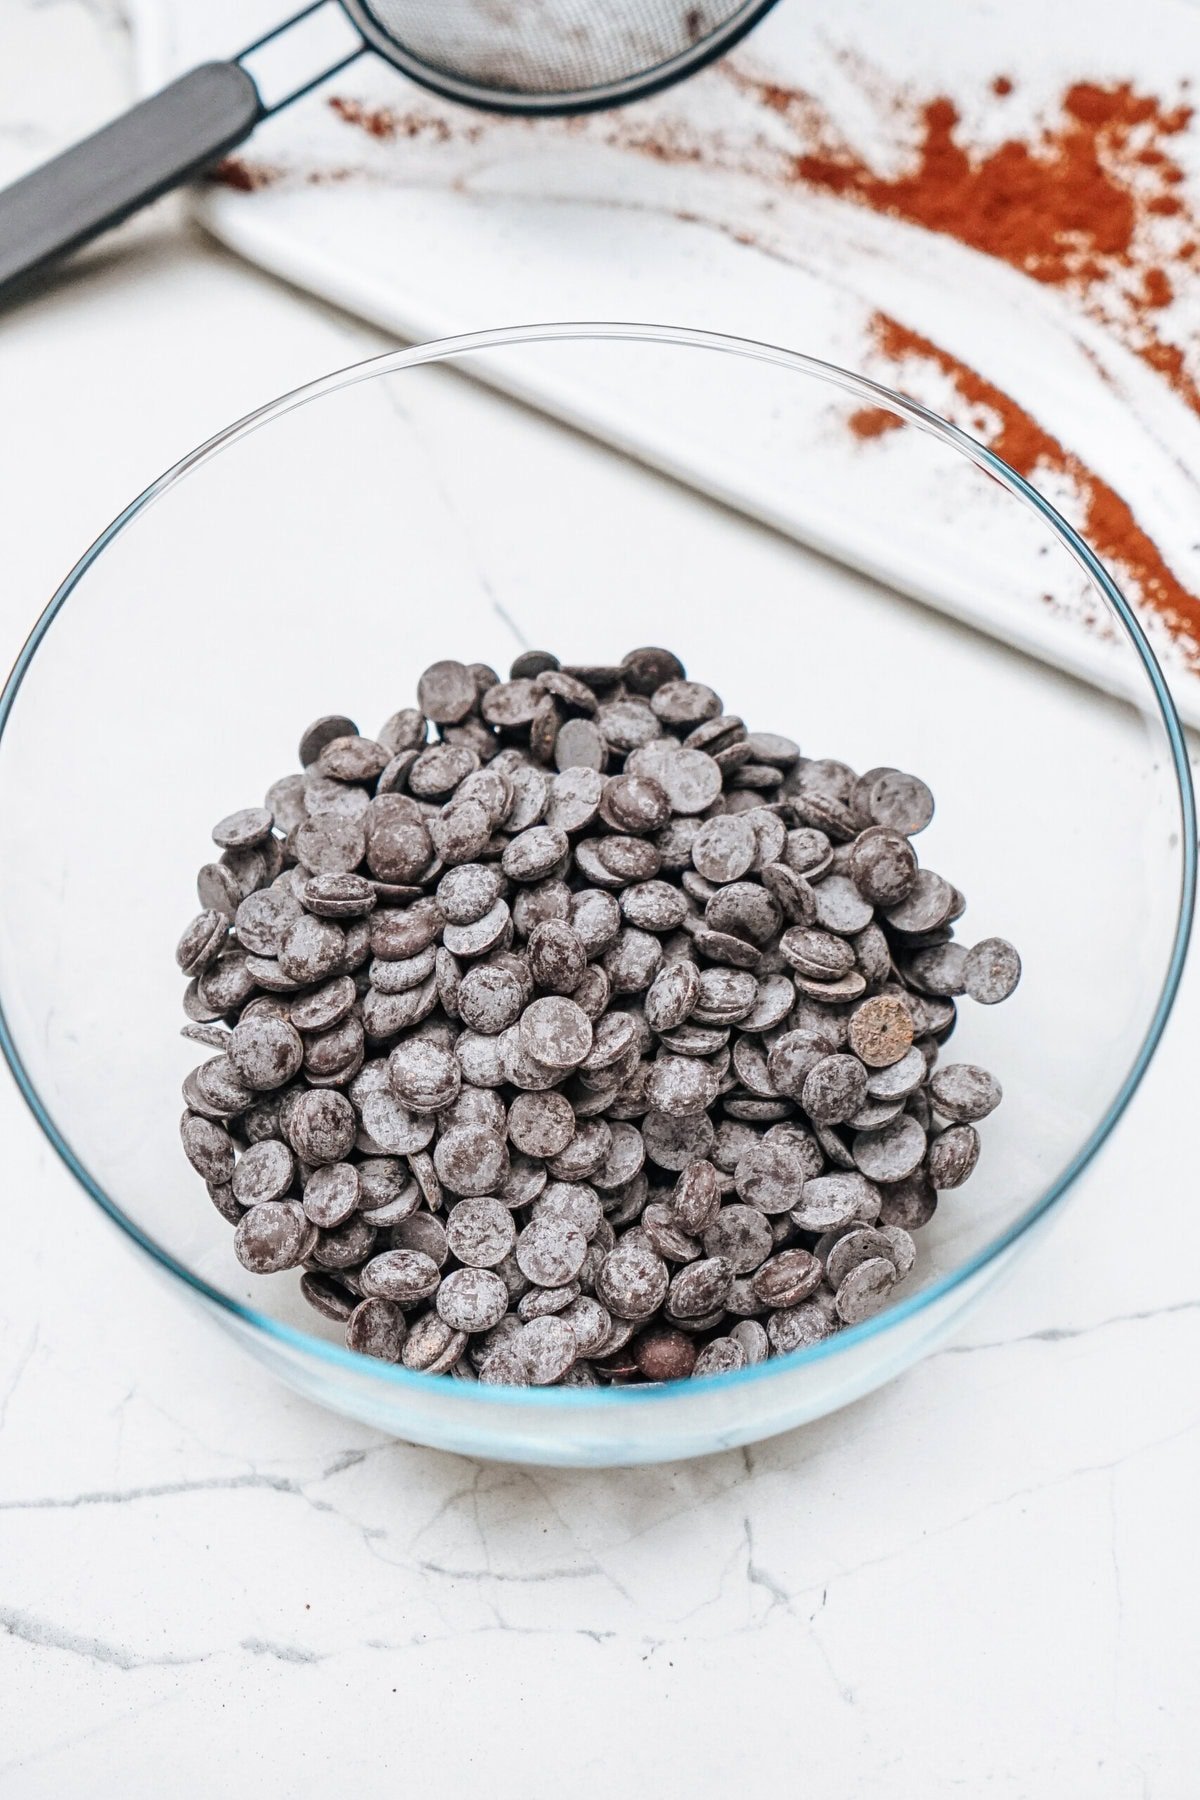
873, 422
1157, 290
1042, 210
1108, 523
384, 123
1065, 208
1069, 208
246, 177
1046, 208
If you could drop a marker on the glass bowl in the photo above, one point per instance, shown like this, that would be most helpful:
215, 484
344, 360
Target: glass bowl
316, 556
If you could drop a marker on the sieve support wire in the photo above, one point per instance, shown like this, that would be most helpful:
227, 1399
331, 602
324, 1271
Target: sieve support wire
314, 81
182, 131
155, 147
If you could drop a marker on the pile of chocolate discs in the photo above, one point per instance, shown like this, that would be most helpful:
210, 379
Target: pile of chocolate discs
569, 1031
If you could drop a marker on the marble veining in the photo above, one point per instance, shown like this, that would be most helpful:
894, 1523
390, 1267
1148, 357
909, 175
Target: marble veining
976, 1581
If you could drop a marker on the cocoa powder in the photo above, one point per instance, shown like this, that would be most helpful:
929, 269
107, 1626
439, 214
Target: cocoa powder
1081, 206
1106, 520
1092, 202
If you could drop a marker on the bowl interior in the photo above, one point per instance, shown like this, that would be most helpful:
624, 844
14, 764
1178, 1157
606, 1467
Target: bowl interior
319, 562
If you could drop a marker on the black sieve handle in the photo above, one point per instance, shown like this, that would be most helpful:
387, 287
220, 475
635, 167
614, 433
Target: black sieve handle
148, 151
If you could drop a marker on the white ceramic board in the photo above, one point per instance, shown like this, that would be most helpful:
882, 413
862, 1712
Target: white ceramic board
430, 220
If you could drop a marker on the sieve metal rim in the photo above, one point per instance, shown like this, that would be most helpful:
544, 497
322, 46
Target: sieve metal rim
577, 100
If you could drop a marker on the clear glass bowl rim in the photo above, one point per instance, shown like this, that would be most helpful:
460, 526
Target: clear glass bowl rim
585, 1400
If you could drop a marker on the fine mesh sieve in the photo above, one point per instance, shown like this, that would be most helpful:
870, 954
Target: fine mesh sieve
510, 56
550, 55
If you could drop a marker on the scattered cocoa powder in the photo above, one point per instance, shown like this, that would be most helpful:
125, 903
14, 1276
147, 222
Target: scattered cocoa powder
385, 123
1091, 203
1052, 209
1106, 520
246, 177
873, 422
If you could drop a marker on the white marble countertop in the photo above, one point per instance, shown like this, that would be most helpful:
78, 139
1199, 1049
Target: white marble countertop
979, 1581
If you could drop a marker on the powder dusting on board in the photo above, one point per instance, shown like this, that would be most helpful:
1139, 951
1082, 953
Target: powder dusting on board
1091, 200
1104, 518
1091, 204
